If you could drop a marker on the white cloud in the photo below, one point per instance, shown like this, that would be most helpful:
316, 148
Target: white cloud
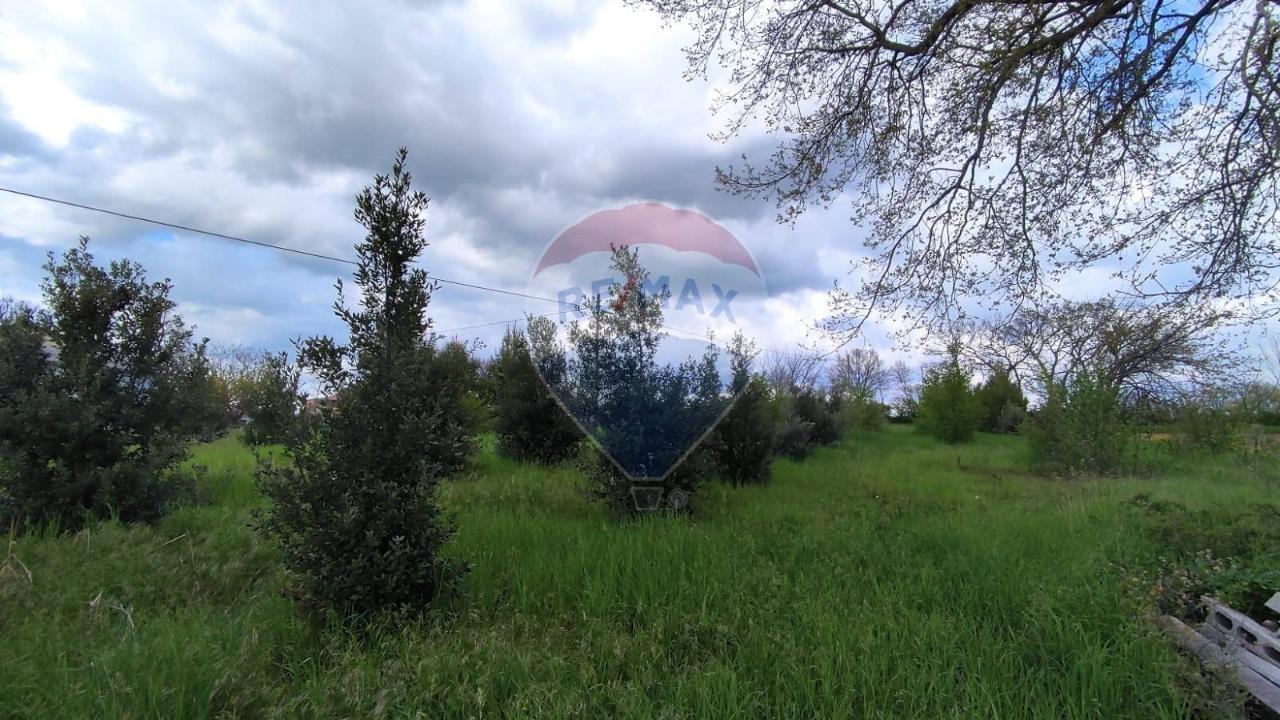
38, 98
264, 120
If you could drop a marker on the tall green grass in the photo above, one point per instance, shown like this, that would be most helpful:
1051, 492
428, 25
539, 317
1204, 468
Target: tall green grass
889, 576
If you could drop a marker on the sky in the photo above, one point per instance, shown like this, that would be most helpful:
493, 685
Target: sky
264, 121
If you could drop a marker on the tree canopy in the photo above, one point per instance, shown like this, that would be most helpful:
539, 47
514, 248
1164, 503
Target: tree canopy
990, 147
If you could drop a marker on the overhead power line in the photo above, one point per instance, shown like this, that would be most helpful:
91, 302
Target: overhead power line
512, 321
259, 243
334, 258
176, 226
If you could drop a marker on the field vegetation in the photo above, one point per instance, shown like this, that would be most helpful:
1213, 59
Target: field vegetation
186, 535
889, 575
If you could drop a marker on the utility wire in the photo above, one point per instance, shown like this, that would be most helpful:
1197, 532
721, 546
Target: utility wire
259, 243
176, 226
496, 322
345, 261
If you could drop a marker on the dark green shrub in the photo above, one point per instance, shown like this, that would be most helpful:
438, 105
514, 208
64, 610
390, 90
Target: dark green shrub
948, 409
1011, 418
529, 423
743, 441
98, 397
456, 373
1081, 428
1002, 402
644, 413
822, 414
794, 439
624, 498
356, 513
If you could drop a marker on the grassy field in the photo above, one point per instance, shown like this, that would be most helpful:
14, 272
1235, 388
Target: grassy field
888, 576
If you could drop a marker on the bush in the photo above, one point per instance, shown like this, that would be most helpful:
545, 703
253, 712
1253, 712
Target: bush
1002, 402
1227, 551
808, 406
1179, 585
624, 498
355, 513
645, 414
743, 443
795, 439
861, 413
1081, 428
456, 374
1012, 415
269, 398
809, 420
529, 423
948, 409
97, 396
1208, 424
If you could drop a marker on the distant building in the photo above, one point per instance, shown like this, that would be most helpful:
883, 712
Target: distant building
316, 404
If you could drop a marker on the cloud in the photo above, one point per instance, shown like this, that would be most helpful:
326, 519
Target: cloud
265, 120
17, 143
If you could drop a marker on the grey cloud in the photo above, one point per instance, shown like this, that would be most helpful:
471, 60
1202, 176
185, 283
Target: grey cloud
17, 142
252, 127
682, 176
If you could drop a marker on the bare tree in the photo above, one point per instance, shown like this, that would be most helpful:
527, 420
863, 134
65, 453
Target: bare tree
1272, 360
790, 372
234, 362
859, 373
11, 309
991, 146
1149, 351
904, 377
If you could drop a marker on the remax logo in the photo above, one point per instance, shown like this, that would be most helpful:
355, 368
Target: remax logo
632, 346
711, 277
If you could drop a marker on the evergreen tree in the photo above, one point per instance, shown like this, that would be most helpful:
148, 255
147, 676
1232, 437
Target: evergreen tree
648, 417
529, 423
948, 409
99, 395
457, 375
356, 512
743, 441
1003, 404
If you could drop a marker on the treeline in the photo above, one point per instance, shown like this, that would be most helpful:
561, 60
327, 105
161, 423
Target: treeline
1107, 378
